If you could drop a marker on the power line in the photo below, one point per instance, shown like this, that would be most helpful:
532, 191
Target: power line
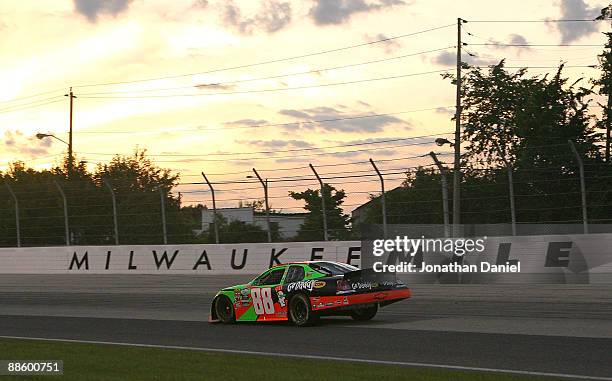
272, 157
536, 21
527, 45
281, 151
269, 124
217, 84
33, 95
267, 170
541, 67
272, 61
265, 90
33, 104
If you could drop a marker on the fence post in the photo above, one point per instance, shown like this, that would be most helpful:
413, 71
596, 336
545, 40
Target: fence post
382, 198
115, 223
510, 188
212, 192
585, 223
16, 202
66, 226
323, 210
444, 193
265, 187
162, 198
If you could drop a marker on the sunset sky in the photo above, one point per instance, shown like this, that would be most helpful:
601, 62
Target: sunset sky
149, 74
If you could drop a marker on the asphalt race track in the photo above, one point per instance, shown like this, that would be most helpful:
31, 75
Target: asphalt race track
560, 329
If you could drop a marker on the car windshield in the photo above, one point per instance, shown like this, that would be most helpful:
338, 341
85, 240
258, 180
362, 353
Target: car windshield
330, 268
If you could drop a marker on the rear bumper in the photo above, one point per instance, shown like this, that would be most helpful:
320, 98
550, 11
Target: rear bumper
336, 301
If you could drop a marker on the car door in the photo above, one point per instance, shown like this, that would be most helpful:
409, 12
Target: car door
267, 298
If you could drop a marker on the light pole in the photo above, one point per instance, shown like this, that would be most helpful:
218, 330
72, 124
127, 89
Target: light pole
264, 184
456, 182
40, 136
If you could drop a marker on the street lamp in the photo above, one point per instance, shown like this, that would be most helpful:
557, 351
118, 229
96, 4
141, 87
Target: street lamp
40, 136
264, 184
442, 141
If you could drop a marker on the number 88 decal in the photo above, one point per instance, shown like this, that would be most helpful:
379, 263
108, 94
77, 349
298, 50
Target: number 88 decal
262, 301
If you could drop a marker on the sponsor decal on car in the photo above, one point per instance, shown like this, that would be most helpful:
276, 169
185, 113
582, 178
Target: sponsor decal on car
281, 298
319, 284
301, 285
363, 285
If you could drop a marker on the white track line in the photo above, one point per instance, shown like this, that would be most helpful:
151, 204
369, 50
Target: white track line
315, 357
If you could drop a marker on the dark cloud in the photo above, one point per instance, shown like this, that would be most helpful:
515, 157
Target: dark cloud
276, 143
513, 39
374, 124
17, 142
200, 4
94, 8
388, 45
271, 17
384, 141
214, 86
518, 39
576, 9
445, 110
295, 114
326, 12
450, 59
247, 122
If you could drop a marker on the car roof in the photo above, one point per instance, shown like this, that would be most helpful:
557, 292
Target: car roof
304, 263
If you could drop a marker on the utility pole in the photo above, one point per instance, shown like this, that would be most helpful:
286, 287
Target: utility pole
457, 146
70, 155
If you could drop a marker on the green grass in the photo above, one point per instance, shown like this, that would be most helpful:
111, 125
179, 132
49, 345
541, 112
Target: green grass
85, 362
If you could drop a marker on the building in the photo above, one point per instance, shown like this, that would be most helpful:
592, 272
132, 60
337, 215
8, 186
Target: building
288, 223
359, 214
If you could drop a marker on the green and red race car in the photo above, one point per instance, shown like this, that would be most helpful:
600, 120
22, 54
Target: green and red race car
302, 292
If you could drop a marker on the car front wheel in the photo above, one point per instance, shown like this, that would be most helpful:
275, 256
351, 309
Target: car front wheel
300, 312
225, 310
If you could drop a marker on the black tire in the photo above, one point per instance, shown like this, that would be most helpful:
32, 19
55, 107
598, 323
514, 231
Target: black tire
300, 311
225, 310
364, 314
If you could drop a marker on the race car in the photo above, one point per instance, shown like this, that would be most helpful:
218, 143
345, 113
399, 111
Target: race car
301, 292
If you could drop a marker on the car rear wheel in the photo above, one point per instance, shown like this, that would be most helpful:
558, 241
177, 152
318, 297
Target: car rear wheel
300, 312
225, 310
363, 314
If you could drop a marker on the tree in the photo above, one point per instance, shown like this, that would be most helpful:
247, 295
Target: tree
604, 85
235, 231
337, 221
137, 183
140, 185
529, 118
